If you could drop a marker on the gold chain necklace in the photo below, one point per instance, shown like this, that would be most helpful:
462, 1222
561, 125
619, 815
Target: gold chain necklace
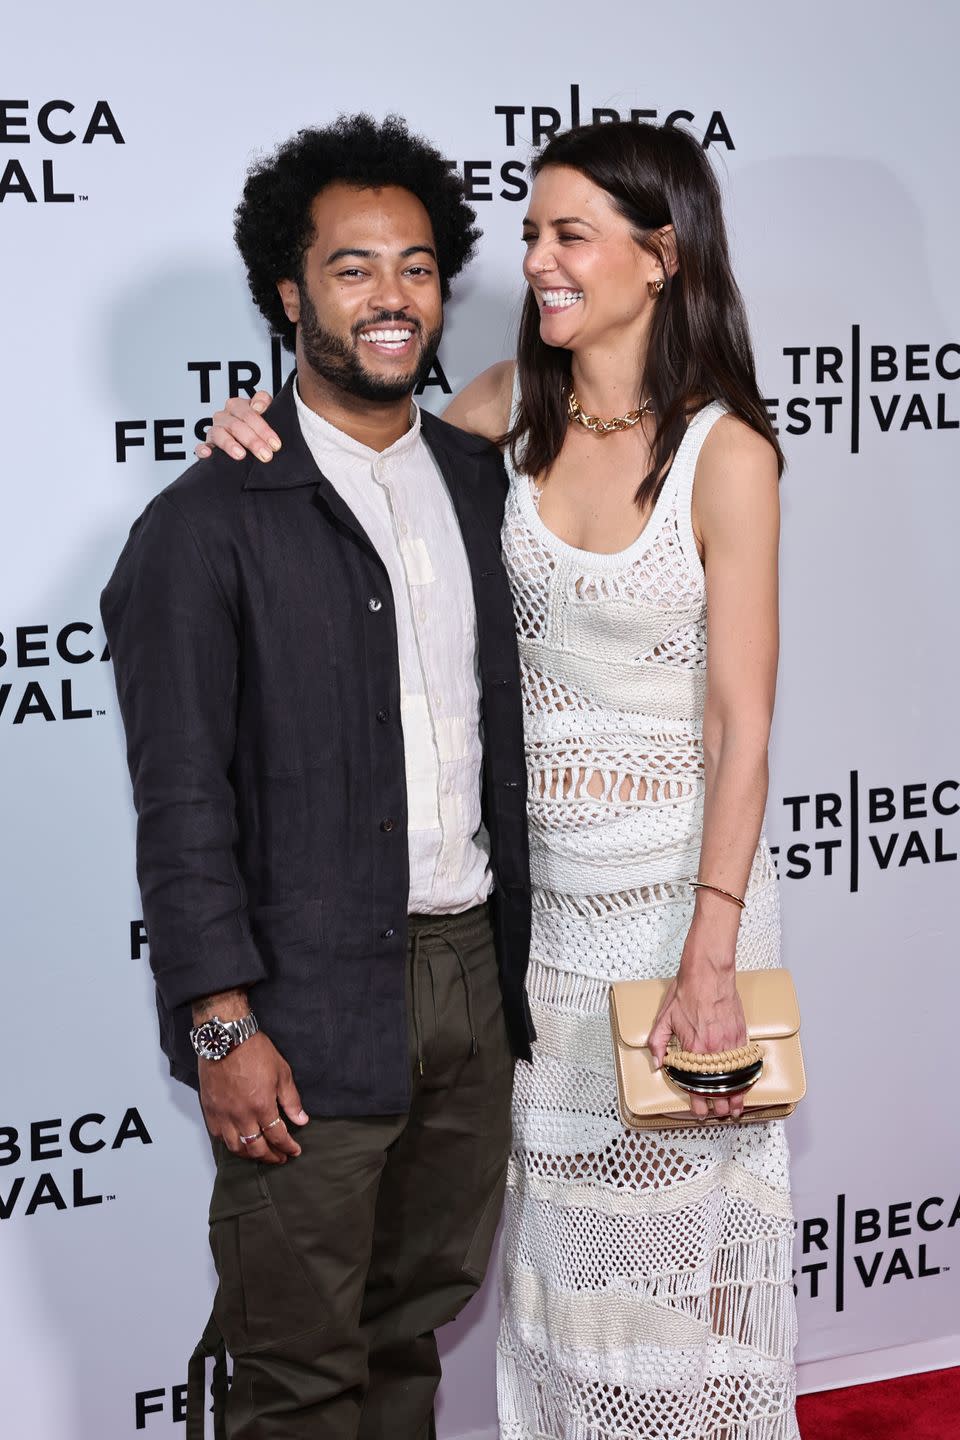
605, 427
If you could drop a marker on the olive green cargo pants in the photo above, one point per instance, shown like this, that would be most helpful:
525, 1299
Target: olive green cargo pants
336, 1268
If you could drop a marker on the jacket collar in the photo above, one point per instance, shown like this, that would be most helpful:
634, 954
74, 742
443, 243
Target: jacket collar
293, 464
294, 467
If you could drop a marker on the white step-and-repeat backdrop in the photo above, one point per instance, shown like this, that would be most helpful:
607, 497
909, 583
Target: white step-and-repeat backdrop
124, 136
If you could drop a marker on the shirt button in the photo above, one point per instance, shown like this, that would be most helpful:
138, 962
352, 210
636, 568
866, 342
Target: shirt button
373, 604
404, 528
422, 613
387, 934
387, 825
383, 716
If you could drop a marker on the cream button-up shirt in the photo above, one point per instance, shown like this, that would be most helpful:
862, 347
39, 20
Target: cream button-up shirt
400, 498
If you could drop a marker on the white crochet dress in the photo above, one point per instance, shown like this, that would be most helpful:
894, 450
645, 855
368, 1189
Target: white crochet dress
646, 1276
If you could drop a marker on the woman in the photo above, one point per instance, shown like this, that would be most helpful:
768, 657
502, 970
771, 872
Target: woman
646, 1276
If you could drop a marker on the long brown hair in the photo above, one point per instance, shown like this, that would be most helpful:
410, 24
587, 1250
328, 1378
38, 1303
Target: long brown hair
699, 344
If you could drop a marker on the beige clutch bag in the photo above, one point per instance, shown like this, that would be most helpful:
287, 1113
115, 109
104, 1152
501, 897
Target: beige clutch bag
650, 1099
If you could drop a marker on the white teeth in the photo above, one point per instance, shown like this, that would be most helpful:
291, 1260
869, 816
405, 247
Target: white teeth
561, 298
386, 337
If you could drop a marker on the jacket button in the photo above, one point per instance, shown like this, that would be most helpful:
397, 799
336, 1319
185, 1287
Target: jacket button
374, 604
383, 716
387, 934
387, 825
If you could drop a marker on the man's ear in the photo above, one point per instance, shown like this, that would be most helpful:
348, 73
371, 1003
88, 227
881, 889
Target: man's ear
289, 292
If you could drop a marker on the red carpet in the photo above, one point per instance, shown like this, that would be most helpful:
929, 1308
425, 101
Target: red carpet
916, 1407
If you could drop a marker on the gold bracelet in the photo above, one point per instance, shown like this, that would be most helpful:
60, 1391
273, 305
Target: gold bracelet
703, 885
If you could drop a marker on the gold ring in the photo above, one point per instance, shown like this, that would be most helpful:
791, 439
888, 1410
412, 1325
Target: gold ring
249, 1139
272, 1123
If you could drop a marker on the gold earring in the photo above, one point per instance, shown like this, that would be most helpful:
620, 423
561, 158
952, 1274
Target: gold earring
655, 287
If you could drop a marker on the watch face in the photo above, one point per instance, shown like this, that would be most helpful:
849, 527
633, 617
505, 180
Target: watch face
212, 1040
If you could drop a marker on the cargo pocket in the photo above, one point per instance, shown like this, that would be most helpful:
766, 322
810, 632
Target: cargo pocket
263, 1296
478, 1255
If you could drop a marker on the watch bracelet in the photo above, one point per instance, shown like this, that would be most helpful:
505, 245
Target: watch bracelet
238, 1031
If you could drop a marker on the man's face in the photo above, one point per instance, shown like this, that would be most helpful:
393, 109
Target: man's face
368, 312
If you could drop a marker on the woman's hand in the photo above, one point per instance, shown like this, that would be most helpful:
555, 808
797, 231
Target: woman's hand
238, 428
702, 1008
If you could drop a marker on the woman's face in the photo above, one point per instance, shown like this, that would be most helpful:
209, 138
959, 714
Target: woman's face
587, 272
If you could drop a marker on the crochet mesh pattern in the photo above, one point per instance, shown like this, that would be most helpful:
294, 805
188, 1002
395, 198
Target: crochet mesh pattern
646, 1281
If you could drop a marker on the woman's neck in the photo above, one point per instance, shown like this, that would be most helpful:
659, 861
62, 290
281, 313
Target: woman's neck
608, 375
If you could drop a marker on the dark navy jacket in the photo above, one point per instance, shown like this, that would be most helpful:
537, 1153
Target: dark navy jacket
253, 636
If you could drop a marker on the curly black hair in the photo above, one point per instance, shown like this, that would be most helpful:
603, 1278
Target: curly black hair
273, 223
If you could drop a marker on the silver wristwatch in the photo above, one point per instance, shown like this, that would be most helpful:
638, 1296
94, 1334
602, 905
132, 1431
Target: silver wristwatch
215, 1038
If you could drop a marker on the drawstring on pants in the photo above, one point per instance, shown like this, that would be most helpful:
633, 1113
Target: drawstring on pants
211, 1343
420, 936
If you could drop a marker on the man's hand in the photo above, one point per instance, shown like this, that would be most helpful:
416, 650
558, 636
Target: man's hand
245, 1094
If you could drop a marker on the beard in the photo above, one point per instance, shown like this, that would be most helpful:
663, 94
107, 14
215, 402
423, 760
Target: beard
340, 363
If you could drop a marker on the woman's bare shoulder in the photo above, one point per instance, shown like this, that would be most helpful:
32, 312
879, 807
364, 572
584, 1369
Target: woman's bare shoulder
736, 490
483, 407
735, 457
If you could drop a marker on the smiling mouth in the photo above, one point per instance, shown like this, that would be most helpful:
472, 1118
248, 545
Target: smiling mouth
553, 301
389, 340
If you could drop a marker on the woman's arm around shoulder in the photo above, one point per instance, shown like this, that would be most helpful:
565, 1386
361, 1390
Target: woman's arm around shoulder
483, 407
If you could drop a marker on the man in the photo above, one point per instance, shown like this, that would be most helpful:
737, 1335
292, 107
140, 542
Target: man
332, 851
